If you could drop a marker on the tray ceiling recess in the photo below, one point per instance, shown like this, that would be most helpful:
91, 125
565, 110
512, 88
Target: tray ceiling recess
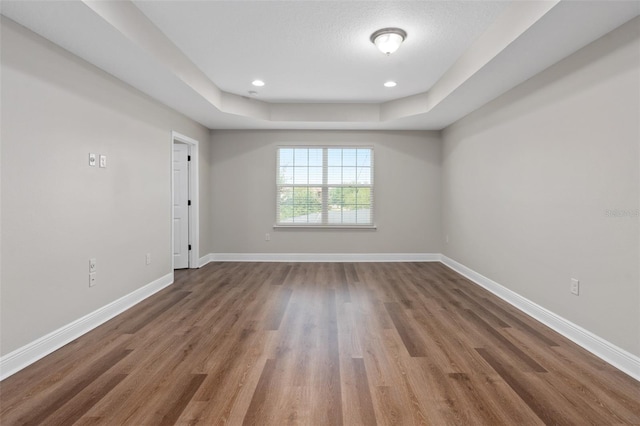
316, 61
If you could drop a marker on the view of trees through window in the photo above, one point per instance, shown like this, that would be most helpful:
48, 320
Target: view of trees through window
325, 186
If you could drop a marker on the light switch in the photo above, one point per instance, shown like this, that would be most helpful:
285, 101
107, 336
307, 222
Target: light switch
575, 287
92, 160
103, 161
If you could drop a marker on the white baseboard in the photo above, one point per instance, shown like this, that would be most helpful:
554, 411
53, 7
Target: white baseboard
205, 259
321, 257
15, 361
598, 346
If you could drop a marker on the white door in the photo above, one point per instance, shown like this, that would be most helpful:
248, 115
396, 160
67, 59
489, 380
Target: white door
180, 206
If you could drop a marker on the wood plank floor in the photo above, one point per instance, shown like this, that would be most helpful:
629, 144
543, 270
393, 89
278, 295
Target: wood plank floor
321, 344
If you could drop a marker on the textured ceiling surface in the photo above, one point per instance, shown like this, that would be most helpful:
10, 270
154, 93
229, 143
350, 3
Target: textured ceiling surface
320, 50
320, 68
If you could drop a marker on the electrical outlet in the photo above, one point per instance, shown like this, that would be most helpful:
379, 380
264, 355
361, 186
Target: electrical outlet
575, 287
92, 264
92, 279
267, 237
103, 161
147, 259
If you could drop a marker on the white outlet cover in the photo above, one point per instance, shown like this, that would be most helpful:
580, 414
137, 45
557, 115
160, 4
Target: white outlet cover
103, 161
92, 279
92, 265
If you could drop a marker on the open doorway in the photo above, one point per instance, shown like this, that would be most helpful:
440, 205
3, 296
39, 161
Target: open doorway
184, 202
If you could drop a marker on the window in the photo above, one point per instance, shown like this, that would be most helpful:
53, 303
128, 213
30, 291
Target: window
324, 186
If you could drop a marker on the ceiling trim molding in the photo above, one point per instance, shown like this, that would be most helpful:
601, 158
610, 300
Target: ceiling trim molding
126, 18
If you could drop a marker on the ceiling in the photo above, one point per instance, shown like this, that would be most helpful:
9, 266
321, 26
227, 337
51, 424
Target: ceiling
320, 68
320, 51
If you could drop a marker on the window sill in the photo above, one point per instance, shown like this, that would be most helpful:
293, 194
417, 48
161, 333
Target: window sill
329, 227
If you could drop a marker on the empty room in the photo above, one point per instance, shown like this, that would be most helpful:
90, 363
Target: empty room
320, 212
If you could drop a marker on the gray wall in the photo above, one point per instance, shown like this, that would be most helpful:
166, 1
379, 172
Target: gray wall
530, 179
407, 193
57, 212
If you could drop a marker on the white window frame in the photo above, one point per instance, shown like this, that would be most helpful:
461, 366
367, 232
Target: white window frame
325, 193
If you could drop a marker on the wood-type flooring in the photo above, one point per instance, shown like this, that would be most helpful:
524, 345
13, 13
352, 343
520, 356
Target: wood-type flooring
321, 344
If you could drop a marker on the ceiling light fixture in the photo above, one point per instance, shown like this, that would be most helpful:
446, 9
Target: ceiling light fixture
258, 83
390, 84
388, 40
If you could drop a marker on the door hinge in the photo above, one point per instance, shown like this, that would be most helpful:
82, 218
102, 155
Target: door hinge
189, 246
188, 158
189, 202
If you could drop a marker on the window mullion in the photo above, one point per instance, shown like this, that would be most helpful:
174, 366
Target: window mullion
325, 186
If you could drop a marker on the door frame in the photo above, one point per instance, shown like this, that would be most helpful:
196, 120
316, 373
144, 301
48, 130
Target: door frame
194, 196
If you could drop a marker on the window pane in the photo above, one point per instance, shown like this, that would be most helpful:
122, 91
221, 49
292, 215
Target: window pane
349, 157
334, 157
307, 206
364, 216
301, 215
363, 197
315, 218
286, 175
349, 205
349, 214
348, 175
285, 196
335, 214
286, 157
334, 175
364, 157
364, 175
315, 175
300, 196
301, 156
315, 157
300, 175
315, 200
348, 195
335, 197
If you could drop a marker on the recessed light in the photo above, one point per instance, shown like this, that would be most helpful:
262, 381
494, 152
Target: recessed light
390, 84
258, 83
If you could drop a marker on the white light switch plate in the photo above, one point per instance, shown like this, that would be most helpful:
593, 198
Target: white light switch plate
103, 161
575, 287
92, 160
